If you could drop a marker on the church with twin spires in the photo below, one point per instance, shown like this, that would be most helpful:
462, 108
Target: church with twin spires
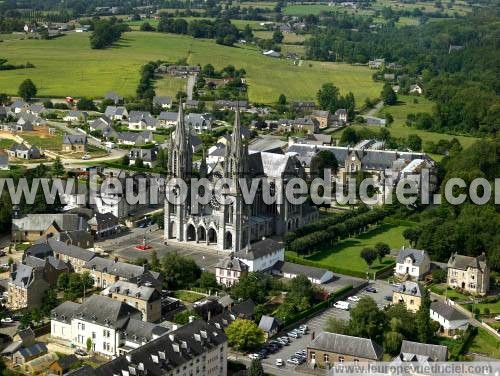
232, 227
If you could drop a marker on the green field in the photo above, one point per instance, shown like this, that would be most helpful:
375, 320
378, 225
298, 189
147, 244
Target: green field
485, 343
168, 85
347, 253
302, 10
240, 24
67, 66
188, 296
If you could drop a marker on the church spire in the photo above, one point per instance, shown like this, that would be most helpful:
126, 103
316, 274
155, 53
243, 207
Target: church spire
180, 129
203, 166
236, 140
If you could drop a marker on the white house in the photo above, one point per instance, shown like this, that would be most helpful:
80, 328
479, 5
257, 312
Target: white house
229, 270
262, 255
416, 89
414, 262
113, 327
290, 270
450, 319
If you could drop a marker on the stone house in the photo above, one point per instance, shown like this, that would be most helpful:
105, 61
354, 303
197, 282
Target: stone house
470, 274
410, 293
74, 143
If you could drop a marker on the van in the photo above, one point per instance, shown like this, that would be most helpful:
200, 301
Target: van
342, 305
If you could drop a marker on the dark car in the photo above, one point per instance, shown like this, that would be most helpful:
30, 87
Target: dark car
80, 352
371, 289
388, 298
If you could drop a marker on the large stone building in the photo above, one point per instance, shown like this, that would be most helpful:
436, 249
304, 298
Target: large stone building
470, 274
409, 293
234, 226
26, 287
113, 327
412, 263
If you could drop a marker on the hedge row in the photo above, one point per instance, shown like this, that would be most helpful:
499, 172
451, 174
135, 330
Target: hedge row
318, 307
323, 224
335, 233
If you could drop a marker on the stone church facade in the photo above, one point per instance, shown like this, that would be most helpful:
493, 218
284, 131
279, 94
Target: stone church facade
234, 226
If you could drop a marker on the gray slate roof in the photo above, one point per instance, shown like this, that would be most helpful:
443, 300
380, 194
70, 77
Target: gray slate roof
22, 276
268, 323
34, 350
297, 269
417, 255
75, 139
40, 222
461, 262
138, 291
120, 269
343, 344
232, 264
447, 311
434, 352
71, 250
260, 249
410, 288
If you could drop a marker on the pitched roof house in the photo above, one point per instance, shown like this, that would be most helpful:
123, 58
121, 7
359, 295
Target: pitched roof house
412, 262
471, 274
74, 142
451, 320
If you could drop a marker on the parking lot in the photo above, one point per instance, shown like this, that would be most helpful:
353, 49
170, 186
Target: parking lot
317, 324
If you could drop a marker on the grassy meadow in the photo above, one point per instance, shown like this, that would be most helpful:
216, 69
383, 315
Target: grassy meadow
67, 66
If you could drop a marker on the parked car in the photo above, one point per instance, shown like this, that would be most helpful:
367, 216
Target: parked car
254, 356
497, 317
342, 305
80, 352
304, 326
293, 361
86, 157
7, 320
388, 298
371, 289
279, 362
354, 298
293, 334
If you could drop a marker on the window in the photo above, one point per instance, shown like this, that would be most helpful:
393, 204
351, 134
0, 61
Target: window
341, 359
326, 358
313, 355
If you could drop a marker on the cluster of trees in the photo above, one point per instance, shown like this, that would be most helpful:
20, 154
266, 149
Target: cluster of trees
463, 83
300, 297
5, 66
74, 285
145, 88
468, 228
221, 29
244, 335
333, 234
387, 327
443, 147
329, 98
106, 32
234, 88
27, 89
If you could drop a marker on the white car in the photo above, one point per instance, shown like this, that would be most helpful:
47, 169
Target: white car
293, 334
7, 320
354, 298
342, 305
254, 356
86, 157
293, 361
497, 317
279, 362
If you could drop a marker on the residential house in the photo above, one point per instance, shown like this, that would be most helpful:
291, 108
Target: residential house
229, 270
270, 326
64, 364
197, 348
74, 143
183, 70
290, 270
106, 272
140, 295
271, 53
450, 319
75, 257
100, 124
28, 117
116, 113
199, 123
413, 263
162, 102
262, 255
18, 106
147, 156
103, 224
470, 274
329, 349
114, 327
341, 117
134, 138
416, 89
114, 97
24, 125
141, 120
322, 117
372, 120
74, 116
36, 109
52, 267
166, 119
22, 151
26, 286
191, 104
30, 227
376, 64
417, 352
306, 124
231, 105
409, 293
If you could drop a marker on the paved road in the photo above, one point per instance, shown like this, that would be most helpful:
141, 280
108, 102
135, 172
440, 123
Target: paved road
190, 86
373, 111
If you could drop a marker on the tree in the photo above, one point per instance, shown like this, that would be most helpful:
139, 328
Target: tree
207, 280
338, 326
369, 255
155, 263
439, 275
125, 160
182, 318
89, 343
86, 104
256, 368
139, 163
277, 36
382, 250
321, 161
179, 271
423, 319
146, 26
349, 137
250, 286
392, 342
389, 95
244, 335
27, 89
367, 320
58, 168
389, 119
414, 142
412, 235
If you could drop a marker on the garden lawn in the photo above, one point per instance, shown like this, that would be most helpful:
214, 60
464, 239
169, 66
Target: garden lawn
346, 254
485, 343
170, 86
188, 296
68, 66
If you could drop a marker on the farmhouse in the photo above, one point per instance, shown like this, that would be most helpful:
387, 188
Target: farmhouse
116, 113
182, 70
304, 106
451, 320
21, 151
322, 117
470, 274
414, 263
74, 143
332, 348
